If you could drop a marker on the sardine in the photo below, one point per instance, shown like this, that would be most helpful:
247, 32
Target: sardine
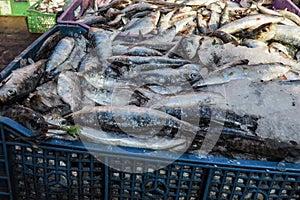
142, 51
144, 25
282, 33
102, 44
98, 79
139, 7
249, 22
117, 139
72, 63
201, 24
292, 16
132, 120
189, 100
165, 76
29, 118
119, 95
61, 53
129, 60
214, 21
256, 73
49, 43
282, 49
21, 81
44, 102
68, 87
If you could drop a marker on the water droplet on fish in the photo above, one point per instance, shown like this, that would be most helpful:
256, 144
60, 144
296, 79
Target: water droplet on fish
281, 167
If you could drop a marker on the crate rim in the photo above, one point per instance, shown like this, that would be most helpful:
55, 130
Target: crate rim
69, 9
216, 162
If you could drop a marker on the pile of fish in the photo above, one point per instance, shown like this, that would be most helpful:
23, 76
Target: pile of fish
50, 6
229, 87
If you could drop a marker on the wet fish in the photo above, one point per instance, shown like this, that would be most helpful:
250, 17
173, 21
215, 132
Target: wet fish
49, 43
45, 102
189, 100
256, 73
249, 22
214, 21
139, 7
61, 53
119, 95
97, 78
282, 33
134, 121
115, 138
29, 118
142, 51
291, 16
165, 76
129, 60
72, 63
21, 82
144, 25
68, 88
102, 44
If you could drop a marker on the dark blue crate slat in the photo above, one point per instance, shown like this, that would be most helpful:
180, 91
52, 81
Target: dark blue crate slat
59, 169
66, 170
5, 180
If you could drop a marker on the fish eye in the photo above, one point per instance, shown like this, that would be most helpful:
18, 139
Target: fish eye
92, 75
11, 92
63, 123
193, 75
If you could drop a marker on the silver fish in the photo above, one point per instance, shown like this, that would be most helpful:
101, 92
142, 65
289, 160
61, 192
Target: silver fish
249, 22
102, 44
21, 81
189, 100
139, 7
282, 33
214, 21
61, 53
134, 121
97, 78
74, 58
113, 138
68, 87
256, 73
144, 25
165, 76
292, 16
142, 51
129, 60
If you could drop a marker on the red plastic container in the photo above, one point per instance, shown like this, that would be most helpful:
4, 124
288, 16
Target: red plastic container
77, 8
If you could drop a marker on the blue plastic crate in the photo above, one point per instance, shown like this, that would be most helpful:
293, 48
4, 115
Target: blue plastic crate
60, 169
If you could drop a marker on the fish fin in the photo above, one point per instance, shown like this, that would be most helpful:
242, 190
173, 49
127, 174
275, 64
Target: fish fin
141, 37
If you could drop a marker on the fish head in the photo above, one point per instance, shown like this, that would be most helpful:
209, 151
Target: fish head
192, 76
7, 94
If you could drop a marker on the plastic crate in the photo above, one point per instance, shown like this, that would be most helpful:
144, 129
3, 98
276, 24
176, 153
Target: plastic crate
39, 22
61, 169
19, 7
77, 8
15, 7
